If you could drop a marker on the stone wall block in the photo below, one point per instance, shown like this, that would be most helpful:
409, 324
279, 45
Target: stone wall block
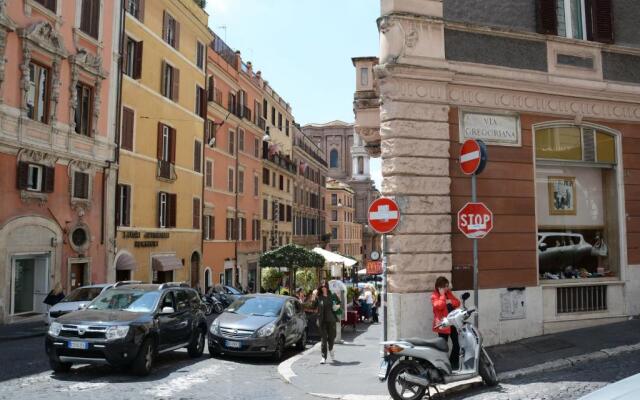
415, 166
415, 129
411, 185
424, 204
411, 283
412, 223
429, 262
400, 147
392, 110
417, 243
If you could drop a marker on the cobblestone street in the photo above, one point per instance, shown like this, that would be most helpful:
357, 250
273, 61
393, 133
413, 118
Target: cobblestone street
567, 384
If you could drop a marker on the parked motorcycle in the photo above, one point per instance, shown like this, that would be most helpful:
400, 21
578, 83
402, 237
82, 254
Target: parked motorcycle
212, 304
411, 366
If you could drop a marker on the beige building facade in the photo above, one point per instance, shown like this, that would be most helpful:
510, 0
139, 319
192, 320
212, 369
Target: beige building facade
346, 233
560, 123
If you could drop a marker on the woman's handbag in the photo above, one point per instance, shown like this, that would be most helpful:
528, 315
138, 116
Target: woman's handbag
599, 248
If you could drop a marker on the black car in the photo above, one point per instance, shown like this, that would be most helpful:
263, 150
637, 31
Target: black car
127, 326
259, 324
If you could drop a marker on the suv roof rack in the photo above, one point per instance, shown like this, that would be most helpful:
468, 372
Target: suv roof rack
122, 283
173, 284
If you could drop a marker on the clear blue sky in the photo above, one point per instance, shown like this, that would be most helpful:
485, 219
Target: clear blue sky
304, 49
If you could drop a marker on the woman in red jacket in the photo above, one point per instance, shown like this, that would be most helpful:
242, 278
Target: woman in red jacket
444, 301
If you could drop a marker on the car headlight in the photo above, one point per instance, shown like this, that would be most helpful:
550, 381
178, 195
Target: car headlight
55, 328
215, 327
266, 330
117, 332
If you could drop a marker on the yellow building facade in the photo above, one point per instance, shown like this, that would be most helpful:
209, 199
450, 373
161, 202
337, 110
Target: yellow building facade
160, 182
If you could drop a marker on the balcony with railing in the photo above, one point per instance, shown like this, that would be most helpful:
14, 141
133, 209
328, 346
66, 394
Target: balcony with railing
261, 122
166, 170
280, 159
224, 51
313, 153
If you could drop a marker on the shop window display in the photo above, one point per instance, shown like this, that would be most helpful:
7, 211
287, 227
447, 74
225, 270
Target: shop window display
576, 203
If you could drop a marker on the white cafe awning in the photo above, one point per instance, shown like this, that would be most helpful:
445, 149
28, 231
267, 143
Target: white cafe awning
330, 257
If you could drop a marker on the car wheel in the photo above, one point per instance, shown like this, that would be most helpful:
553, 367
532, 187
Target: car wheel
218, 308
279, 352
196, 348
59, 367
144, 360
300, 345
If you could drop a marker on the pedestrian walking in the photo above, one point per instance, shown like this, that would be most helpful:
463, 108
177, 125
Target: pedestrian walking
54, 296
444, 301
326, 305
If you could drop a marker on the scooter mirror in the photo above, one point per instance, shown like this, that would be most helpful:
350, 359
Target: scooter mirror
465, 296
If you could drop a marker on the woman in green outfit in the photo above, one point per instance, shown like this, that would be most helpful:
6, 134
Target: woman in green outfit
327, 305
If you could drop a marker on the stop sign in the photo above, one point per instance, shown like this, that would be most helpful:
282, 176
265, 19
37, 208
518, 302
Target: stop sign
383, 215
475, 220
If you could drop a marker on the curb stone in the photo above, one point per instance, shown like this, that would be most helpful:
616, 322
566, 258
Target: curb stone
284, 368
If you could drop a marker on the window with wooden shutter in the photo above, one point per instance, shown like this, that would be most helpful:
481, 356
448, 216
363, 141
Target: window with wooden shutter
126, 133
172, 144
230, 185
175, 84
212, 227
123, 205
210, 88
22, 178
84, 109
137, 61
229, 232
173, 209
282, 213
240, 139
601, 27
208, 172
49, 179
136, 8
243, 229
265, 209
197, 156
196, 213
547, 22
90, 18
288, 213
231, 143
265, 176
241, 181
256, 185
80, 185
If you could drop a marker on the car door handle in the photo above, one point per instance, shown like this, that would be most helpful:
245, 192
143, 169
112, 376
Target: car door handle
183, 324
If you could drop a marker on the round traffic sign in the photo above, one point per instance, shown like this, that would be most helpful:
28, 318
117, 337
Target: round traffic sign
475, 220
473, 156
383, 215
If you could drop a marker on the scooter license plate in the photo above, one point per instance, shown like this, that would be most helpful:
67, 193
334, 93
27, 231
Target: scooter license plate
382, 372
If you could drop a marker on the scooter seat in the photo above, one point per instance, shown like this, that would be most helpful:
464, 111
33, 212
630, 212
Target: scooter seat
437, 343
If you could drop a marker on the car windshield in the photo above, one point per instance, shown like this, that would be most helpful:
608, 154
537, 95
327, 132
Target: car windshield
126, 300
83, 294
265, 307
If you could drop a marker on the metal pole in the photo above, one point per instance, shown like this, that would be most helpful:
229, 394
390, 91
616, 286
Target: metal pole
385, 324
475, 255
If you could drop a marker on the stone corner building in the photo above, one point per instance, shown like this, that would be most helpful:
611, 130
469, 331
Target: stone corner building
553, 90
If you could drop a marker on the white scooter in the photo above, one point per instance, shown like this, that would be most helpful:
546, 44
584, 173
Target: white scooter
411, 366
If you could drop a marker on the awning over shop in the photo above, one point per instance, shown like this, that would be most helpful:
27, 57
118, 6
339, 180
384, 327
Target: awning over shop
165, 263
126, 262
334, 257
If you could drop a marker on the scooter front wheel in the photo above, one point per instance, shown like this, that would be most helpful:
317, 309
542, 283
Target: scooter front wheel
401, 389
487, 370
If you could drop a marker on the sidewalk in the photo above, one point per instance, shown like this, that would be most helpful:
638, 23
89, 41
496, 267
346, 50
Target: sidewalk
354, 375
22, 330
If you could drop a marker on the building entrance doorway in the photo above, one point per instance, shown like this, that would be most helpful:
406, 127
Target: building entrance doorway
195, 269
29, 284
123, 275
78, 275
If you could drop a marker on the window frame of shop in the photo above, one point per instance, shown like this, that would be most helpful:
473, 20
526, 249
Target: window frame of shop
592, 153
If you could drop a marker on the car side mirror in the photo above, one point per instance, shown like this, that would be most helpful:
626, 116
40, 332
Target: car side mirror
167, 310
542, 246
465, 296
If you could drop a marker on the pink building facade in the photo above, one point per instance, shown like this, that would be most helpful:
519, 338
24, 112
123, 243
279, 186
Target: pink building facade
58, 94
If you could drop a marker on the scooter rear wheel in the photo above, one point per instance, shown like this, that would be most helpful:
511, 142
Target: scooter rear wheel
399, 388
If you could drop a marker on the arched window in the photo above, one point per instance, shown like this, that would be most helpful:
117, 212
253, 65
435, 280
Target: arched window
576, 202
333, 159
360, 165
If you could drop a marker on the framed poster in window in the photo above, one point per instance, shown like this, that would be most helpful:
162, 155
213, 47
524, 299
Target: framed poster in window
562, 195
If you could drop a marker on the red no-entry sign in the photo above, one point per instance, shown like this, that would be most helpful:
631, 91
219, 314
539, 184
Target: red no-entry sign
473, 156
383, 215
475, 220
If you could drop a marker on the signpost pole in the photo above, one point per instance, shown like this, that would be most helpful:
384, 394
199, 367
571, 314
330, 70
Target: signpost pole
475, 256
385, 324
